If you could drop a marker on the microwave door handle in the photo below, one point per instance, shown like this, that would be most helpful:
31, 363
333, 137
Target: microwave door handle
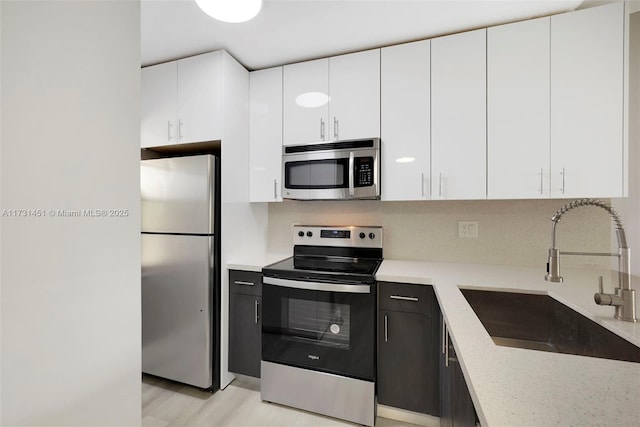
351, 166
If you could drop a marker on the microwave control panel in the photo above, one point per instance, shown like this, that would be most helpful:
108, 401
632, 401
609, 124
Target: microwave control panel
363, 172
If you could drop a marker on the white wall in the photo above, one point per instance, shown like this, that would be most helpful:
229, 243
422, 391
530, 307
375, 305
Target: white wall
70, 304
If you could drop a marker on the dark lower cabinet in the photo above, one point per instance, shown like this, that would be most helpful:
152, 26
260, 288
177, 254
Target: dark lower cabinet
245, 324
407, 373
456, 406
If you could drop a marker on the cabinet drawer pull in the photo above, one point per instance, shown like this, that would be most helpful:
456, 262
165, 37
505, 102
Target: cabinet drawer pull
400, 297
240, 282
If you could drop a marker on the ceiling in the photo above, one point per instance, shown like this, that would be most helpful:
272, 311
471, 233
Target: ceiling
287, 31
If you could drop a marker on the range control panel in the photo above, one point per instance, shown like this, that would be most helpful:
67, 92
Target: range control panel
331, 235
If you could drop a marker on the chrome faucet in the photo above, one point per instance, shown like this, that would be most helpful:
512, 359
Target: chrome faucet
624, 298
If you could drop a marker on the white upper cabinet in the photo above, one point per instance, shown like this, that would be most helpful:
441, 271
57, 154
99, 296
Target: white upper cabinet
306, 102
406, 122
332, 98
458, 116
265, 135
354, 88
587, 60
199, 98
181, 101
518, 110
159, 92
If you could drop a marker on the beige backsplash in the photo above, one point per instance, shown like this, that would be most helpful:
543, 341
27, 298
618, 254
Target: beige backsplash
509, 232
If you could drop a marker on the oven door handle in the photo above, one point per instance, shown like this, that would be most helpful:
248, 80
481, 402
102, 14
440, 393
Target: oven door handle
352, 189
318, 286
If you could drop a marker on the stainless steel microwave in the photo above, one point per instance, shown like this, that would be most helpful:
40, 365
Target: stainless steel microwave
340, 170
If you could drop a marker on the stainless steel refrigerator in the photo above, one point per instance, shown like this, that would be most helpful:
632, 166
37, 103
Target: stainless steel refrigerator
180, 269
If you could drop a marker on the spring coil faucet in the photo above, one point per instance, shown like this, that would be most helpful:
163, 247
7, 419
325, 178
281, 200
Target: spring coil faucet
624, 298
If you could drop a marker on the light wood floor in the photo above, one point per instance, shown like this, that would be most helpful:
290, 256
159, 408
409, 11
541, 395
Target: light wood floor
165, 403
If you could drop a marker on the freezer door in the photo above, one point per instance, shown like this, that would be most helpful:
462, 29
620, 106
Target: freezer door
178, 195
177, 307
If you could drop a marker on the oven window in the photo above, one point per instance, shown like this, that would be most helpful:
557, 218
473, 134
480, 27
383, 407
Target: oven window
331, 332
323, 323
317, 174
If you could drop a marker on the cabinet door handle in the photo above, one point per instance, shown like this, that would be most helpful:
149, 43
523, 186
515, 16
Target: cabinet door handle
422, 182
275, 189
240, 282
446, 350
335, 128
386, 328
321, 129
180, 130
444, 332
169, 126
257, 311
563, 175
440, 185
400, 297
541, 182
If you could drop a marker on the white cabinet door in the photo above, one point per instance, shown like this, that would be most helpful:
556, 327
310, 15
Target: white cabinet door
406, 123
518, 110
354, 87
458, 116
159, 113
199, 98
306, 102
265, 135
587, 102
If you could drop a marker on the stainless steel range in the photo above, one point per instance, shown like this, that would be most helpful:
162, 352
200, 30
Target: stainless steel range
319, 323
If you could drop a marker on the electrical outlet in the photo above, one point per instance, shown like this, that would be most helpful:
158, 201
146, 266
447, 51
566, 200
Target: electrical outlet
468, 229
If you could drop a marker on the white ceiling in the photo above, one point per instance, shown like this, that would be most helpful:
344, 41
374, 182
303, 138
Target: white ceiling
287, 31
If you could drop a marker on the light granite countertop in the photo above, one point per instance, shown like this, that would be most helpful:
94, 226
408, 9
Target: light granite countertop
517, 387
255, 263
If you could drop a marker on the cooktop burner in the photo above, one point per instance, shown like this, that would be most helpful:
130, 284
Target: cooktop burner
336, 254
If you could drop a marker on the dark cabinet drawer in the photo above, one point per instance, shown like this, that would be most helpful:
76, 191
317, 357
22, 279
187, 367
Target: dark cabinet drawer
245, 282
405, 297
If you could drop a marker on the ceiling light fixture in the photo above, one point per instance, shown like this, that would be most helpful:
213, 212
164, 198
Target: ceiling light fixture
233, 11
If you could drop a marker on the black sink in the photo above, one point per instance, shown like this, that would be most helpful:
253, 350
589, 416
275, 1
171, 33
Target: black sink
539, 322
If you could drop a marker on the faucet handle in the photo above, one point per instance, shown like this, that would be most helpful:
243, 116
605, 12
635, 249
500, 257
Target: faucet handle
600, 285
602, 298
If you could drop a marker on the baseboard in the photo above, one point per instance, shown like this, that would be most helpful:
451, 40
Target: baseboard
408, 416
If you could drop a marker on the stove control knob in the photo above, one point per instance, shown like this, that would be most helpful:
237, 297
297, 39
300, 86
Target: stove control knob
309, 234
372, 236
362, 235
301, 233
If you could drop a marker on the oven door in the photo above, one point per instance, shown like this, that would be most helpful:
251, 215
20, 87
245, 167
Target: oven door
320, 326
